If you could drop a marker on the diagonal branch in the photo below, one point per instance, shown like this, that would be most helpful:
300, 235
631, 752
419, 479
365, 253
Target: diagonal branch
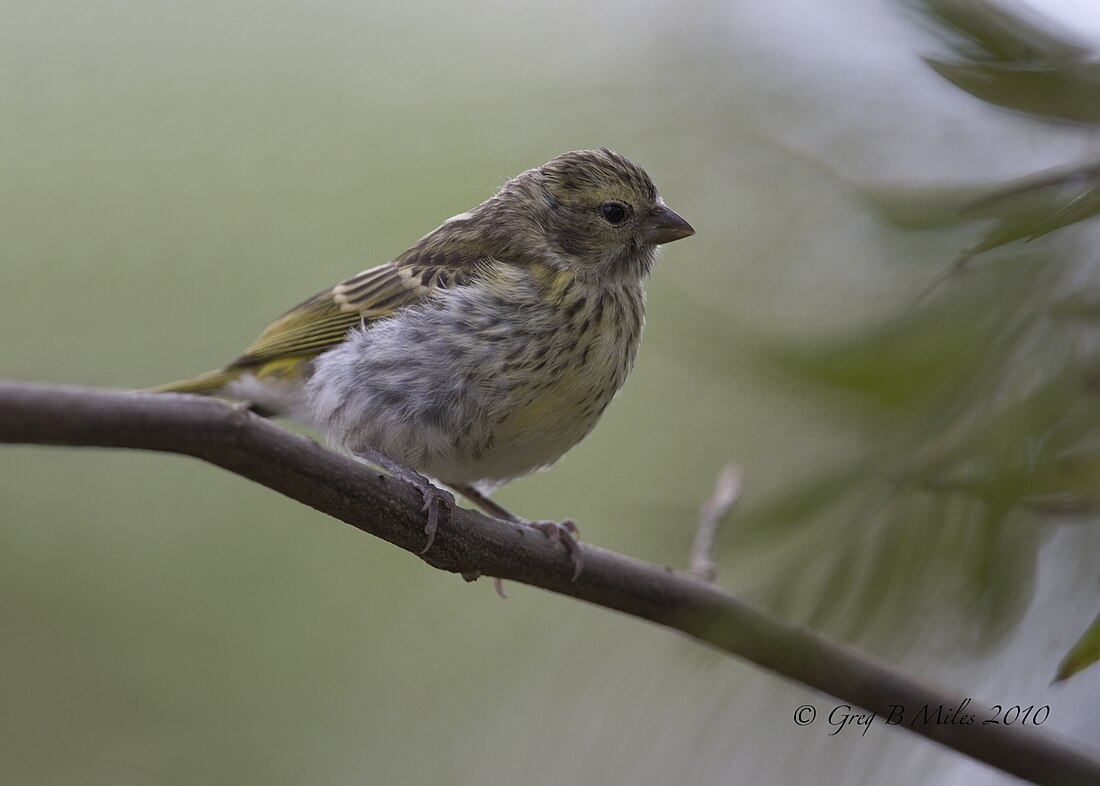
471, 544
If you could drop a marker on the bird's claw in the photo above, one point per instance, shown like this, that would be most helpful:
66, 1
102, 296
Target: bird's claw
566, 533
434, 499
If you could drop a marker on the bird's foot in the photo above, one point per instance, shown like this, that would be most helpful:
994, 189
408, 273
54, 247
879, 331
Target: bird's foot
434, 498
567, 533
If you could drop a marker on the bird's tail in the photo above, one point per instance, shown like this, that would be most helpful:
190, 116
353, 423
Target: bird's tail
205, 384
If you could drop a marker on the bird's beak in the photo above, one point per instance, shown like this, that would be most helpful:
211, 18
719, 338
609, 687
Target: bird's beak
663, 225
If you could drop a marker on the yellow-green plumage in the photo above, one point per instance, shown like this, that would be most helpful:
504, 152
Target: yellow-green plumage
488, 348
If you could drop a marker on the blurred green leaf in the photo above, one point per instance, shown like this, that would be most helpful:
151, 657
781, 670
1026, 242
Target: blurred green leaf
797, 507
1023, 210
1026, 210
895, 367
1066, 487
1011, 56
979, 418
1039, 452
1076, 307
915, 207
1002, 30
1084, 653
1069, 486
1039, 205
1055, 91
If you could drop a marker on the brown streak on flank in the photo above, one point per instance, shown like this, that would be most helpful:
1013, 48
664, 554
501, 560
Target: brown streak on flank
597, 315
575, 307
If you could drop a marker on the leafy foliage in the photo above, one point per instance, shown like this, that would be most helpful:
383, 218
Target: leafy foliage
1013, 58
976, 407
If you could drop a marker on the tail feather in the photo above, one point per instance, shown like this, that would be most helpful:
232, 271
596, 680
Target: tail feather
205, 384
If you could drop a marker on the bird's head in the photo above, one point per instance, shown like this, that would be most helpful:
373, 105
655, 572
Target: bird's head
593, 211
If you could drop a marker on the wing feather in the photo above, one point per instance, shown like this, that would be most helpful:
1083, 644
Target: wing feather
322, 321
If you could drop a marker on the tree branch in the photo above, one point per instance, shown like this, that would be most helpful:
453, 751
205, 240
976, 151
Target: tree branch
714, 512
233, 438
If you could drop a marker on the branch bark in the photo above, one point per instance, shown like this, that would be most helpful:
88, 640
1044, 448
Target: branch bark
235, 439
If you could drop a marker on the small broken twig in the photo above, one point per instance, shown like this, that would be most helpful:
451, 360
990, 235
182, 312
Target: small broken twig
726, 493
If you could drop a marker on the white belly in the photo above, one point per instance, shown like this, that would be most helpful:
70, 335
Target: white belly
470, 388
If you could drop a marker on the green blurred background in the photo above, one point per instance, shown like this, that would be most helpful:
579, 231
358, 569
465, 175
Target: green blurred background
921, 472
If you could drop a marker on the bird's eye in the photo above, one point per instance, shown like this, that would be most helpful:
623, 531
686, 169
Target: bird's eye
614, 212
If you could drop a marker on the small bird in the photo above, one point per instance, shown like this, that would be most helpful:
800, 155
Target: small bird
486, 350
